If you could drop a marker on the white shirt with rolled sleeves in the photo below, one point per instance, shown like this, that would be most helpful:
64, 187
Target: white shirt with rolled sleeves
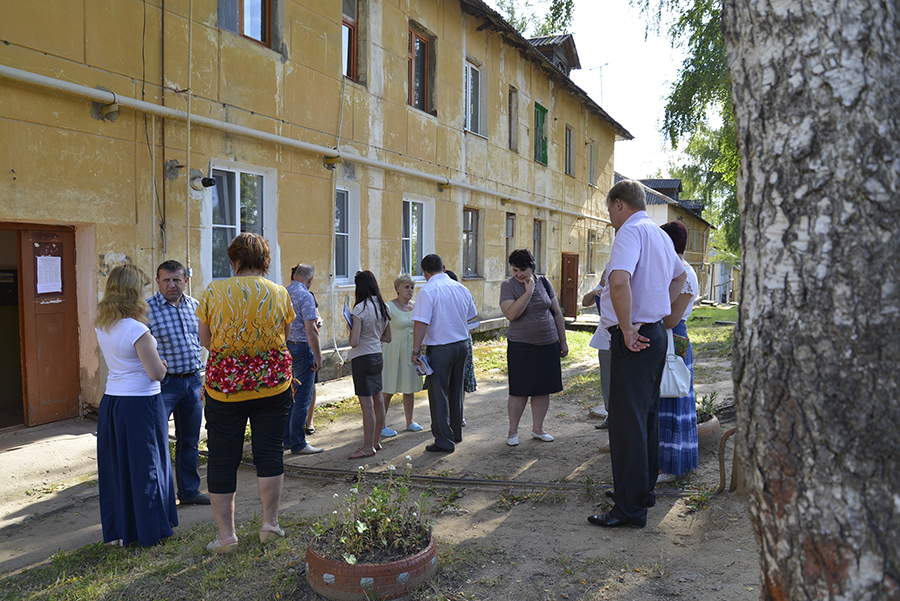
646, 252
446, 307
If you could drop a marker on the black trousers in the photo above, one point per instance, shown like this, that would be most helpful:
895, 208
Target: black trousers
445, 391
634, 421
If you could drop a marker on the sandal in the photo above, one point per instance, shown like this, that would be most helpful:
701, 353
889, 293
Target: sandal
360, 453
268, 535
223, 548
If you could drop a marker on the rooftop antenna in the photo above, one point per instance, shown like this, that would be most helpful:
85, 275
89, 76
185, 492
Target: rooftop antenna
601, 80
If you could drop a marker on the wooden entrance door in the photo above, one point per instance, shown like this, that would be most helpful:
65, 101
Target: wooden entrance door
569, 284
49, 324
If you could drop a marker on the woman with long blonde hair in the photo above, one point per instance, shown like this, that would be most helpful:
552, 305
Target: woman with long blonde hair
137, 499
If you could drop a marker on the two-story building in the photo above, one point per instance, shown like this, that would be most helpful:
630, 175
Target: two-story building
360, 134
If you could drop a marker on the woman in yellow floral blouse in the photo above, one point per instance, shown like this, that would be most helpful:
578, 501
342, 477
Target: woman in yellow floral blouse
244, 322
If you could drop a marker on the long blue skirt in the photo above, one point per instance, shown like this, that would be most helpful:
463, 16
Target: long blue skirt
678, 424
137, 498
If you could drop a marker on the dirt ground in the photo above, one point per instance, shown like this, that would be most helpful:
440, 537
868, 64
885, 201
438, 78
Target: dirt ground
526, 542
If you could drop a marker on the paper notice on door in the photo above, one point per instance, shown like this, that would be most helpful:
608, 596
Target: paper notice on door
49, 275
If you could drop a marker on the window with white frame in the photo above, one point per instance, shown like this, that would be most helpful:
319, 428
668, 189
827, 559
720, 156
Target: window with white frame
537, 239
239, 201
591, 250
474, 99
470, 242
411, 231
342, 234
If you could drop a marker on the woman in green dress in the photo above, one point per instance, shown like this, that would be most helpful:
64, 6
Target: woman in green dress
399, 375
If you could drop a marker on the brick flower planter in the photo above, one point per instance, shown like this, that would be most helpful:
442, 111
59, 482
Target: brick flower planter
341, 581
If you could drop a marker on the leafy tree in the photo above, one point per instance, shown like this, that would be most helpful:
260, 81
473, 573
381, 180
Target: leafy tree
522, 14
702, 87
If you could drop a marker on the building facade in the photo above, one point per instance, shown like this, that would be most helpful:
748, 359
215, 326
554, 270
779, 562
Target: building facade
353, 135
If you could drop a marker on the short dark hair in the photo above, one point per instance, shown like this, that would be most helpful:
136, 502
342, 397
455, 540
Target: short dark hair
678, 233
250, 251
451, 275
631, 192
173, 267
521, 258
432, 264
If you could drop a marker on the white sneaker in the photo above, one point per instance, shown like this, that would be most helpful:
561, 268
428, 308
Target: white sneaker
513, 441
664, 478
545, 437
599, 411
308, 450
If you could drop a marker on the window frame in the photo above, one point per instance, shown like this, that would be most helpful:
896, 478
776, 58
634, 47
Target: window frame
537, 239
411, 60
471, 239
513, 119
540, 133
592, 159
427, 234
268, 224
510, 240
570, 151
591, 250
474, 123
351, 70
230, 6
351, 192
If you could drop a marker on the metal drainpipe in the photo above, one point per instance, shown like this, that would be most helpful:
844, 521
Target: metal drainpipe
162, 126
187, 168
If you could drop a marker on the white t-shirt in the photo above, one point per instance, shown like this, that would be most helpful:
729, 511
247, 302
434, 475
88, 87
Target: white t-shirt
601, 338
691, 286
127, 376
372, 328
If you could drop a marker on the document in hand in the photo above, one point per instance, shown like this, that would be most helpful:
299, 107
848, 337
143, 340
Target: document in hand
347, 314
425, 368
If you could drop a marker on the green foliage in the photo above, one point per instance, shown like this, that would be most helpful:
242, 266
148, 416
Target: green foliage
703, 86
365, 527
706, 407
523, 16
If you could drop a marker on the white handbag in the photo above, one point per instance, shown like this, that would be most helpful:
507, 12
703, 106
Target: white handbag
676, 377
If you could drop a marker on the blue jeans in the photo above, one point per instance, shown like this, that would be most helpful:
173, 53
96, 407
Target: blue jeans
182, 399
303, 361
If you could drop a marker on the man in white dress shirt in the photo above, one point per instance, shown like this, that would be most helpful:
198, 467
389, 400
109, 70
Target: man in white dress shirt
440, 320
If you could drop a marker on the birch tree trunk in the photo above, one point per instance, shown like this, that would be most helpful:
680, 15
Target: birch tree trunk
816, 88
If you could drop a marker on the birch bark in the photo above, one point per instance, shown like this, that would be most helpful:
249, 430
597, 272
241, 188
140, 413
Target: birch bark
816, 88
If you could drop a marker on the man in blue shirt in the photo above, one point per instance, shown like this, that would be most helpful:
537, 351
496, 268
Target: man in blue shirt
303, 344
174, 324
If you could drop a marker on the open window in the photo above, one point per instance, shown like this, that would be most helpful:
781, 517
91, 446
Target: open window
570, 151
540, 134
475, 99
248, 18
243, 200
470, 239
510, 240
420, 60
538, 245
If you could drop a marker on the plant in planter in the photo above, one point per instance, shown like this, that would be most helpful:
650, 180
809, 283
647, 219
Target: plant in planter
375, 544
708, 428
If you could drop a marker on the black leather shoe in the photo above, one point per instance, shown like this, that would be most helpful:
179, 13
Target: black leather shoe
433, 448
609, 521
198, 499
651, 503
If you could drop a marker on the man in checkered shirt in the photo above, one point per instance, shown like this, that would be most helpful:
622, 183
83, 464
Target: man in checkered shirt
174, 324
